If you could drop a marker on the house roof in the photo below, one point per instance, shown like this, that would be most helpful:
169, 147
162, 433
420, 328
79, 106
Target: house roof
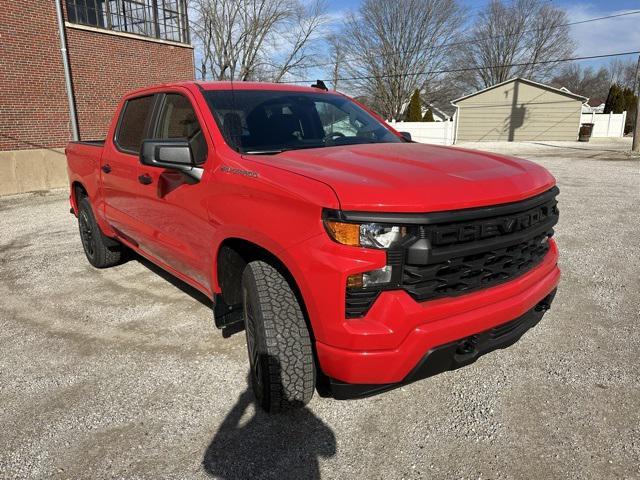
530, 82
437, 110
444, 108
596, 102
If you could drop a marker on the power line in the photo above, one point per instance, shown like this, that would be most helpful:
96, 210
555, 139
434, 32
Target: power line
493, 37
467, 69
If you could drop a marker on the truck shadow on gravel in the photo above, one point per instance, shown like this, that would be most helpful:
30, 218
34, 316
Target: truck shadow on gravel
282, 446
268, 446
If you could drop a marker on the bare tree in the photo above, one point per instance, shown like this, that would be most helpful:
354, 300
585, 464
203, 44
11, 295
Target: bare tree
254, 39
296, 38
622, 73
390, 48
584, 81
524, 32
337, 57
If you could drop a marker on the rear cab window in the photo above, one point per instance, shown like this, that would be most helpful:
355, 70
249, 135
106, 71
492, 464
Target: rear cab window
134, 124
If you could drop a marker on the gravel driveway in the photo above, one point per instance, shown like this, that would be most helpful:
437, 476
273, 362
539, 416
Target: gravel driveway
121, 373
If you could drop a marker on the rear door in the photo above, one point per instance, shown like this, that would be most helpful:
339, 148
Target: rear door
119, 168
172, 205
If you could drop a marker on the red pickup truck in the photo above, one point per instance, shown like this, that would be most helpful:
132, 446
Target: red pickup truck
355, 259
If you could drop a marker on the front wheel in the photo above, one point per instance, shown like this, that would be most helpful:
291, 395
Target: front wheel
278, 341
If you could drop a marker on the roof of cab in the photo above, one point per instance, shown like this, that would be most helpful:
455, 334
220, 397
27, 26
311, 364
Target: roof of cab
255, 86
226, 85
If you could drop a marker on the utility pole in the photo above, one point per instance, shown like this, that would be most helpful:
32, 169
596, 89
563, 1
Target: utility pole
635, 147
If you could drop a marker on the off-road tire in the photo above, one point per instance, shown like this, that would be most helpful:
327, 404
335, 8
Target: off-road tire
278, 341
101, 251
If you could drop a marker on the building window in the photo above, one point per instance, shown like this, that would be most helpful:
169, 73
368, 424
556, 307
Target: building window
163, 19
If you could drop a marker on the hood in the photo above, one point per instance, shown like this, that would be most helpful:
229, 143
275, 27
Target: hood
412, 177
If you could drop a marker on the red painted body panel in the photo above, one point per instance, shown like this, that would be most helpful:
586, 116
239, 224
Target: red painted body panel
180, 225
413, 177
397, 332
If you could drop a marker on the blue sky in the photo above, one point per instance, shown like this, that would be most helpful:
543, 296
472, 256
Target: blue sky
620, 34
595, 38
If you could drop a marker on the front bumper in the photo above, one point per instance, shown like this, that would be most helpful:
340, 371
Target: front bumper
453, 355
385, 345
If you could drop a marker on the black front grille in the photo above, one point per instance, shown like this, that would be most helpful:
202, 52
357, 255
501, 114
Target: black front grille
479, 249
452, 253
473, 272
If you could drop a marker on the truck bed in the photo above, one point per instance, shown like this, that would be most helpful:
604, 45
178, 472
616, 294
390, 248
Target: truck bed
83, 161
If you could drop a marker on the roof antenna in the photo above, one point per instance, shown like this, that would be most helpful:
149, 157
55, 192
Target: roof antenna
320, 85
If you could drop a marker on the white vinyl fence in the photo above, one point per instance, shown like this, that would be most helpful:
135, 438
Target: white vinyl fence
440, 133
605, 124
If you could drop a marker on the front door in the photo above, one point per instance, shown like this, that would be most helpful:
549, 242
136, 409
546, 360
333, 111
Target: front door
178, 232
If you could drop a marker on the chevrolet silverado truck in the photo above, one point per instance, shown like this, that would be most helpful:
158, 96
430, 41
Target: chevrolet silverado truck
355, 259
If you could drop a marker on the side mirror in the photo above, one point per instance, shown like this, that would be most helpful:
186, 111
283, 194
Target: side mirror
406, 136
170, 154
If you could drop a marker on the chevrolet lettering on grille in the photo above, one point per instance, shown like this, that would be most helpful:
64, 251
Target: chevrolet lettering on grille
491, 228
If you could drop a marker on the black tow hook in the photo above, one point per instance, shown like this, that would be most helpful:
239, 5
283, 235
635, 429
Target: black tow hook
468, 346
542, 307
545, 303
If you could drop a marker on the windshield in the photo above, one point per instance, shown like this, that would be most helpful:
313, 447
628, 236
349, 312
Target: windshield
270, 122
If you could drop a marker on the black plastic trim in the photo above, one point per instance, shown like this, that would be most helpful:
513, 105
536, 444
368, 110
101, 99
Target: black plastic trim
454, 355
91, 143
440, 217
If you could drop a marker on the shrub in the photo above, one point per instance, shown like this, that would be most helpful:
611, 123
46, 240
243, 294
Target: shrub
428, 116
414, 113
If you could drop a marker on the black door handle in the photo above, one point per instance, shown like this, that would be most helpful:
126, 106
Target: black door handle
106, 168
145, 179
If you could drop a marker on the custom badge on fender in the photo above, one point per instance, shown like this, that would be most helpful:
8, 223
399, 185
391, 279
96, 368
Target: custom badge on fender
238, 171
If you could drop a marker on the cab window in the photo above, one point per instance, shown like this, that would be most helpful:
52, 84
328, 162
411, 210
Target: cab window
177, 121
134, 124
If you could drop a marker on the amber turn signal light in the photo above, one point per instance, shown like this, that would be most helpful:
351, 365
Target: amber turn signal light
354, 281
345, 233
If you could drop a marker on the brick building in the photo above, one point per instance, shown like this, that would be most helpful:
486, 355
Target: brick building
113, 46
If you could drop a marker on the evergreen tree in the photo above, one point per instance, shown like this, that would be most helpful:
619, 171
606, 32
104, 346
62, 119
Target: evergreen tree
414, 113
629, 99
621, 100
615, 100
428, 116
629, 105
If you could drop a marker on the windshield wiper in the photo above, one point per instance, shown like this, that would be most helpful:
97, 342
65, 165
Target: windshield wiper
274, 151
264, 152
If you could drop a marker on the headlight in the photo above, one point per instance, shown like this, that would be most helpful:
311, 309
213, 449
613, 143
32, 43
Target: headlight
372, 235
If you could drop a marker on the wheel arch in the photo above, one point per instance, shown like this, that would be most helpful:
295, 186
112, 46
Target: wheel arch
232, 256
77, 191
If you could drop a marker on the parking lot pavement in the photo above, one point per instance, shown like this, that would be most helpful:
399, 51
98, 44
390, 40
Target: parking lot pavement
121, 372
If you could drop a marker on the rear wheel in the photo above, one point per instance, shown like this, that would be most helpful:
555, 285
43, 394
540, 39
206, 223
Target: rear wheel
278, 341
101, 251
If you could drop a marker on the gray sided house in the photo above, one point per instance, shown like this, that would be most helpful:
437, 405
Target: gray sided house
518, 110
